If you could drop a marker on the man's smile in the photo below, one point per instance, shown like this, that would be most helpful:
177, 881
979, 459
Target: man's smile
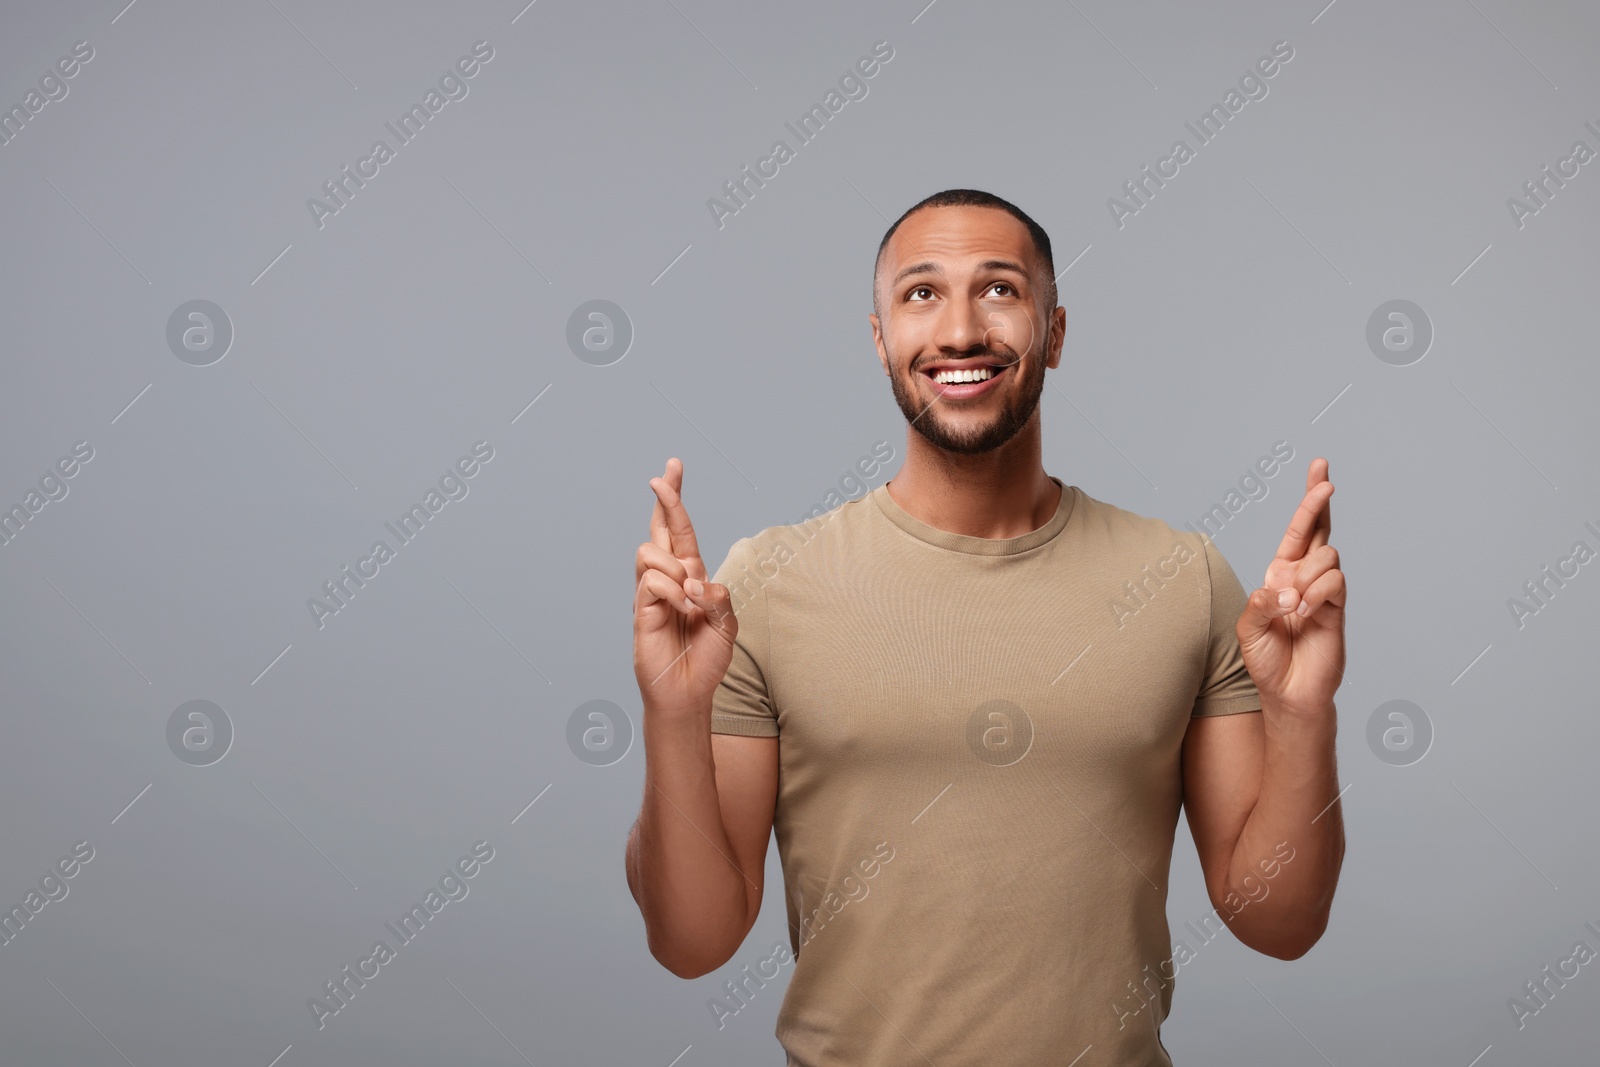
961, 379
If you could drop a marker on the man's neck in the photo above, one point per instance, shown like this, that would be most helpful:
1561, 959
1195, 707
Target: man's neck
998, 494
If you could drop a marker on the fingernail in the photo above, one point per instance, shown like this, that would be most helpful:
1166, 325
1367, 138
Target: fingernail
1304, 608
695, 587
1285, 598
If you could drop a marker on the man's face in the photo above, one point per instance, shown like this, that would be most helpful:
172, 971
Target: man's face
960, 295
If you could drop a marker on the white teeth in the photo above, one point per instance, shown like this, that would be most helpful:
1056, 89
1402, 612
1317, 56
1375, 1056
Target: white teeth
954, 377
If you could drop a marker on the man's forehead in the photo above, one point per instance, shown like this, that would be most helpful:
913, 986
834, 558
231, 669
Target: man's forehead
950, 235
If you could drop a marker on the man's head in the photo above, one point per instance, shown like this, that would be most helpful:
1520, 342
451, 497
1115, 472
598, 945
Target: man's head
964, 286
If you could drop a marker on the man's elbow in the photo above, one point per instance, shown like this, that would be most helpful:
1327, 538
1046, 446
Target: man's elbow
688, 973
687, 965
1286, 941
1288, 949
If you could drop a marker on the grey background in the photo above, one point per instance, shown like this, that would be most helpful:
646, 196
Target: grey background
1228, 314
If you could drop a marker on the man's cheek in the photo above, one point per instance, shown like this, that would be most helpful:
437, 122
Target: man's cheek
1008, 330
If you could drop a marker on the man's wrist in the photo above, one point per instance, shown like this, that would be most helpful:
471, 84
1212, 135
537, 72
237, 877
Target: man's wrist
1290, 723
676, 717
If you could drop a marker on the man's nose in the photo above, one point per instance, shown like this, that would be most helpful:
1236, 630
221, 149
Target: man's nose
963, 326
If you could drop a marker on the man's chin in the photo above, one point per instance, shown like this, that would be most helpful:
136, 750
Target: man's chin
969, 438
967, 441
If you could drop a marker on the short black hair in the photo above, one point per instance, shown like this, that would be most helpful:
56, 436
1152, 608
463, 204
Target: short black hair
976, 198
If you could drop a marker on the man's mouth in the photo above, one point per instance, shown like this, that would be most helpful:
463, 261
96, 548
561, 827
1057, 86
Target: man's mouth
958, 382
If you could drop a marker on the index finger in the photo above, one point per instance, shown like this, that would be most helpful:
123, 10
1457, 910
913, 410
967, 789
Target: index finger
1324, 527
679, 529
1310, 521
660, 536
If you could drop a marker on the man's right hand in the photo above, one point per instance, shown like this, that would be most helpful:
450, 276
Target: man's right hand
683, 625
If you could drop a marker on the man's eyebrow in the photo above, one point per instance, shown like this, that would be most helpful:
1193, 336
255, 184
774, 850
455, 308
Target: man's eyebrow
925, 267
929, 267
1003, 264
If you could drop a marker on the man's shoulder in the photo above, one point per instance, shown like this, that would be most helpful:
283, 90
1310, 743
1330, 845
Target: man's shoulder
776, 546
1128, 528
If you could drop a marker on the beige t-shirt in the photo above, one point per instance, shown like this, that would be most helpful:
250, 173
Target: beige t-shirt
979, 777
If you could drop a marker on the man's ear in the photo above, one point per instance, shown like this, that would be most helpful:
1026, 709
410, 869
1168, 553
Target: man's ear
1058, 336
877, 341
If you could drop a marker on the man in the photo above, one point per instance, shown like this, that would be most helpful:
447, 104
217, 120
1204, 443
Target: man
971, 703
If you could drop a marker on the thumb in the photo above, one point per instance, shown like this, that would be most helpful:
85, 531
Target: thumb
716, 601
1261, 608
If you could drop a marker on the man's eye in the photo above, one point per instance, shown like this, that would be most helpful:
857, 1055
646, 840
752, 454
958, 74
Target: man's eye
919, 289
1004, 285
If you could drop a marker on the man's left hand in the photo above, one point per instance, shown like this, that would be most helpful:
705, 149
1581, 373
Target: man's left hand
1292, 630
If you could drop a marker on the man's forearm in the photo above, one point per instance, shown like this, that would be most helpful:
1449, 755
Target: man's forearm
679, 860
1284, 915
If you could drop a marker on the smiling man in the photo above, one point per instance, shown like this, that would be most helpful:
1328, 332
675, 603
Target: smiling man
938, 691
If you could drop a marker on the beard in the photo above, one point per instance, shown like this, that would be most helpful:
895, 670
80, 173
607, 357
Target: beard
1021, 400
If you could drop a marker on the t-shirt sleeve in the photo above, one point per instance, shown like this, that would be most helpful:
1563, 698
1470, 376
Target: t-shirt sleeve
741, 703
1227, 688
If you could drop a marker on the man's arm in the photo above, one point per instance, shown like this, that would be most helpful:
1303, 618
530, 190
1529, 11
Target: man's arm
1252, 786
695, 856
697, 853
1262, 790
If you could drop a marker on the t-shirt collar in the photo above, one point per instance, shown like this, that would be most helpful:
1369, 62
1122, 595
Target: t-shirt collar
978, 546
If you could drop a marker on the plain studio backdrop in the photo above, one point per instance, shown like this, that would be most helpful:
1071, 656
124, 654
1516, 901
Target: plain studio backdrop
264, 387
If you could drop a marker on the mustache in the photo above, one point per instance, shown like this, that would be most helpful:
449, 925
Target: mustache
997, 360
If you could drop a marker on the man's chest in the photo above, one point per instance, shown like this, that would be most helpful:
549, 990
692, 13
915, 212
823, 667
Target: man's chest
882, 671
